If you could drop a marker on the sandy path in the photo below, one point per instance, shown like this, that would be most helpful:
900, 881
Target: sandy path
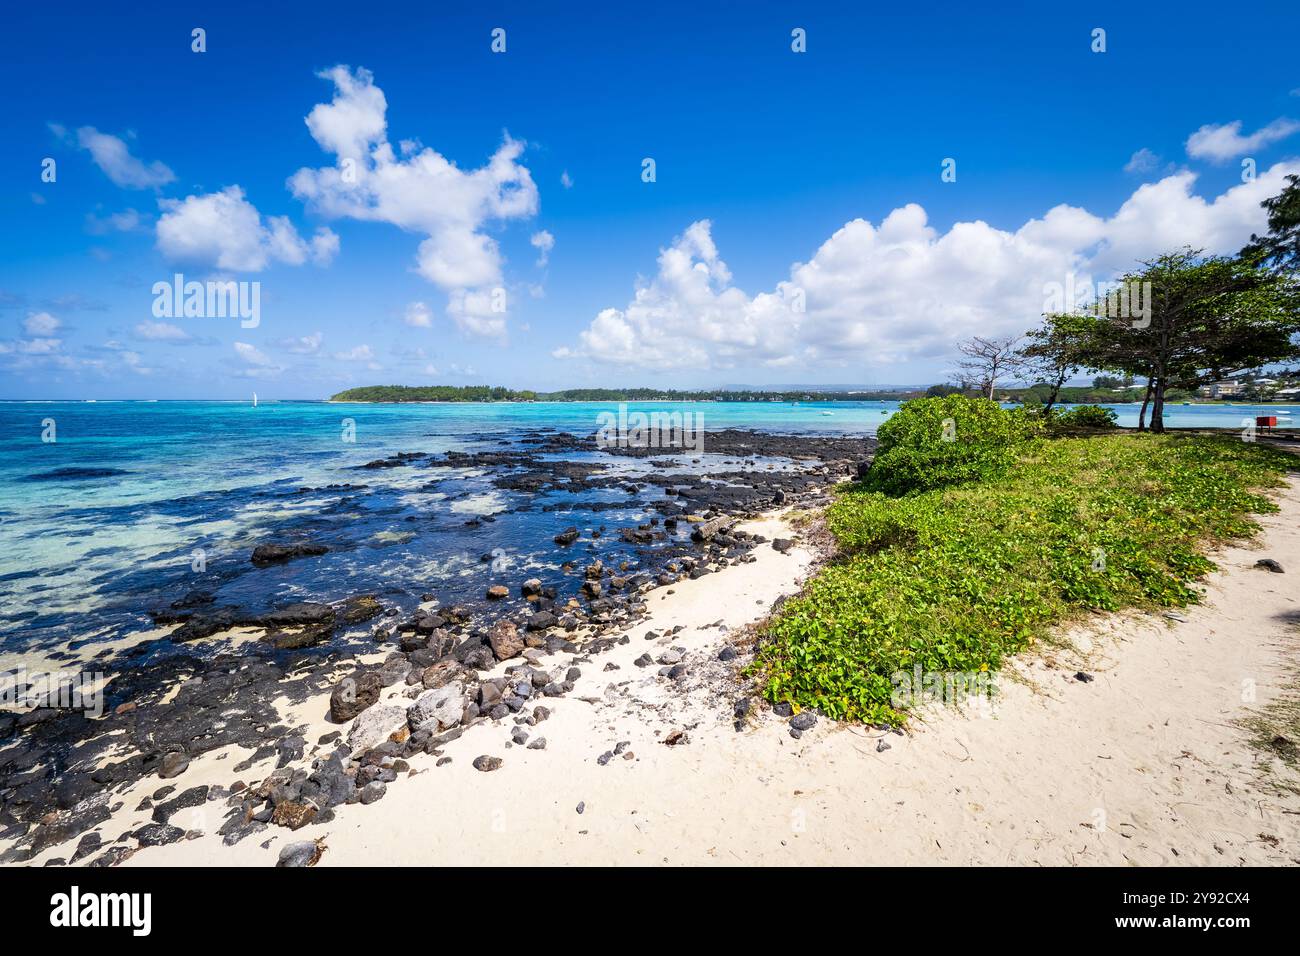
1144, 765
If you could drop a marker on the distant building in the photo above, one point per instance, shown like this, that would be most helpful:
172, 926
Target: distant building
1220, 390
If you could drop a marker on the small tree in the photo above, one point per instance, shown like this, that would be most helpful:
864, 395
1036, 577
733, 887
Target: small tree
1209, 318
1052, 354
986, 361
1280, 248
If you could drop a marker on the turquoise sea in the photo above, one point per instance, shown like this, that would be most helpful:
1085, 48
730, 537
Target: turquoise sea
105, 521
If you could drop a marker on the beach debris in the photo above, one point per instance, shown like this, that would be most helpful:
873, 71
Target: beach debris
1083, 677
582, 805
1269, 564
881, 746
676, 738
487, 764
1176, 616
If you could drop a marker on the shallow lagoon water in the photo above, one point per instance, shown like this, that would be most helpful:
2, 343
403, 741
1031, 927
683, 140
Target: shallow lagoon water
104, 523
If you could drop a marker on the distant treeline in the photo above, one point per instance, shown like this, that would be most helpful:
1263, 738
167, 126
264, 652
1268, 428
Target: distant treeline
486, 393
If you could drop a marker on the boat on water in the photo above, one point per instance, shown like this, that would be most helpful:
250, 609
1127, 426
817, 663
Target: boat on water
255, 399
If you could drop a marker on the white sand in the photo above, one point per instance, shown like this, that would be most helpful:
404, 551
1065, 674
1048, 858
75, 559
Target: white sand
1145, 765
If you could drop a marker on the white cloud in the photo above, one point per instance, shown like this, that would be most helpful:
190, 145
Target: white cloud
566, 180
472, 311
112, 155
252, 354
225, 230
126, 221
413, 187
41, 324
1143, 161
903, 290
418, 315
359, 353
1221, 143
42, 346
302, 345
161, 332
544, 242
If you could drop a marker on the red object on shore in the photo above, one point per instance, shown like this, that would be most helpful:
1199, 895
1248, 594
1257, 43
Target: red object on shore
1266, 421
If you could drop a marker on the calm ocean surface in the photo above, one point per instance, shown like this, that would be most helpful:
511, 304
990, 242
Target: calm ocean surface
102, 524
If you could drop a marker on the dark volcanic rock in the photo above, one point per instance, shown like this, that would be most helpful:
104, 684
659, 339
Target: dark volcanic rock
158, 834
301, 853
354, 694
265, 554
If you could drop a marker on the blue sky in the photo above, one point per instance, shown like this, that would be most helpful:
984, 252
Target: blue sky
798, 228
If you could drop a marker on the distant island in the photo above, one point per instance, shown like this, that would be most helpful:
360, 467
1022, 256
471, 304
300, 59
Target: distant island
1107, 392
496, 393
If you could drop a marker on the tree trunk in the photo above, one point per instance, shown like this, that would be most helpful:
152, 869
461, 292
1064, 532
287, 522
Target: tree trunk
1158, 408
1146, 400
1051, 396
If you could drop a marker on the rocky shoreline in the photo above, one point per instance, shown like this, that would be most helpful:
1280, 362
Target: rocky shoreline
415, 683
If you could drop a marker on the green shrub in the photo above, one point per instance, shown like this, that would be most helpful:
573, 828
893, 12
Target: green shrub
955, 579
933, 442
1086, 416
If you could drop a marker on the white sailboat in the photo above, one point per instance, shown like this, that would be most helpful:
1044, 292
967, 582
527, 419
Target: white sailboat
255, 399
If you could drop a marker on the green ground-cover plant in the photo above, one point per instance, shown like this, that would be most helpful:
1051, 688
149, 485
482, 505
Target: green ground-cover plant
956, 578
1086, 416
939, 441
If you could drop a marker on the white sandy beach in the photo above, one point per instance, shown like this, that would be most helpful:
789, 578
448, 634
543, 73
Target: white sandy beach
1145, 765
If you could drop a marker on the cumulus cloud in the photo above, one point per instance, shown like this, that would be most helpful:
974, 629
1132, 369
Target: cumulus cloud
543, 242
1143, 161
41, 324
113, 156
225, 230
902, 289
161, 332
1221, 143
252, 354
418, 315
254, 363
359, 353
303, 344
412, 187
475, 314
40, 346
